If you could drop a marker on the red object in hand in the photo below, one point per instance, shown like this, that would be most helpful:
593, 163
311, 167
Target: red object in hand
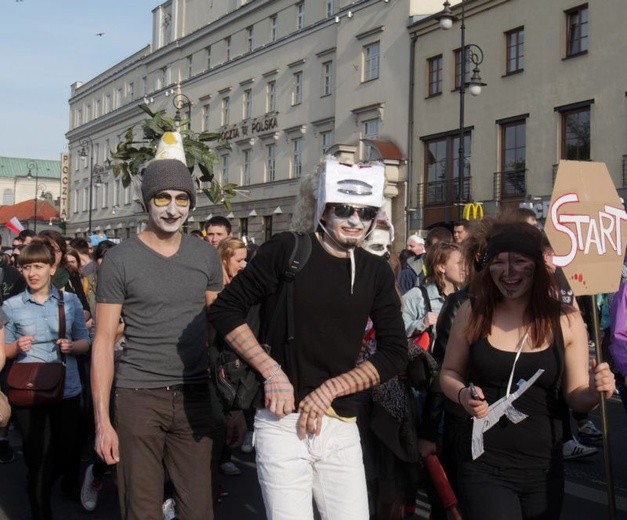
442, 485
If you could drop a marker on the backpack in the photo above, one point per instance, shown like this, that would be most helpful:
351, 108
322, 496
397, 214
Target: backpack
239, 386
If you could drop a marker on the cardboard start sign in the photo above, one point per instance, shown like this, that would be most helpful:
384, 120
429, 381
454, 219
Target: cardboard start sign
587, 227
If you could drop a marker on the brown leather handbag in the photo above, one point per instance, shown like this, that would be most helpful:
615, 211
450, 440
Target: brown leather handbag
39, 384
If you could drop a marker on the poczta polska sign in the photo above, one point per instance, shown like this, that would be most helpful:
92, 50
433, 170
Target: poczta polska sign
587, 227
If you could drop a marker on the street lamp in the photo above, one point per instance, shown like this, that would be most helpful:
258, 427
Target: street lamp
474, 54
33, 165
181, 101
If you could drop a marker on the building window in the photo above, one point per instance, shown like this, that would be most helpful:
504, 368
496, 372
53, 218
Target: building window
225, 110
297, 157
249, 38
371, 61
79, 117
119, 98
105, 195
300, 15
327, 78
247, 103
205, 117
327, 141
513, 159
274, 28
458, 68
227, 48
576, 134
243, 227
297, 88
116, 192
190, 70
370, 130
144, 85
246, 167
271, 96
330, 8
208, 56
515, 50
435, 75
75, 202
270, 162
97, 109
442, 170
85, 198
267, 228
225, 169
131, 91
94, 196
577, 32
128, 195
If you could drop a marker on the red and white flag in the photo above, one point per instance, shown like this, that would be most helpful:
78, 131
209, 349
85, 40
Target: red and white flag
14, 225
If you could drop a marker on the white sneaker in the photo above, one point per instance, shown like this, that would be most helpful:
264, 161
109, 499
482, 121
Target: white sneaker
230, 469
573, 449
247, 445
169, 509
90, 489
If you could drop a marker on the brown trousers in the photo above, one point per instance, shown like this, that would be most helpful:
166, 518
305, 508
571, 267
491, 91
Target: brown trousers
164, 427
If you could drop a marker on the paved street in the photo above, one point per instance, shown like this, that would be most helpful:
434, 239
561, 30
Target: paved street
586, 498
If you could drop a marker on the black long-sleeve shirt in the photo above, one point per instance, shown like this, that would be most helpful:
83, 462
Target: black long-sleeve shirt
329, 321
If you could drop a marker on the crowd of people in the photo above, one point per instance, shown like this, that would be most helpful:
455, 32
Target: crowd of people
467, 345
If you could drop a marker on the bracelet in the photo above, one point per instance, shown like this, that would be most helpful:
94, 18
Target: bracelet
459, 395
277, 369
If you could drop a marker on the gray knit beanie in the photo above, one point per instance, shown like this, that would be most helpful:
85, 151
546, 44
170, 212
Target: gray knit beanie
167, 174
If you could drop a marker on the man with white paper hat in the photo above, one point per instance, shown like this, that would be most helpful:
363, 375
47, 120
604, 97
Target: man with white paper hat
306, 436
162, 281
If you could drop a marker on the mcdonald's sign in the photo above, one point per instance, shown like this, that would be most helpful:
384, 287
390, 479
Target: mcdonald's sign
473, 211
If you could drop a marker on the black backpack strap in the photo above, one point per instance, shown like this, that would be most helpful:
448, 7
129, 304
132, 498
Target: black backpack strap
298, 259
425, 296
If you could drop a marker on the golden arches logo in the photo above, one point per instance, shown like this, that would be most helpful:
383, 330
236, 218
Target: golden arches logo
473, 211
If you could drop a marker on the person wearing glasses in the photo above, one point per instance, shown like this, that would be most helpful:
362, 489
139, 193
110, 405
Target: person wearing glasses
306, 437
162, 282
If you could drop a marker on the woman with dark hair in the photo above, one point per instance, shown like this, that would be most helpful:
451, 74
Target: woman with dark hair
50, 433
514, 343
64, 279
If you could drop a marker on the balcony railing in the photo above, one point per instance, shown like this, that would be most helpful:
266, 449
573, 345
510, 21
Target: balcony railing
443, 192
510, 184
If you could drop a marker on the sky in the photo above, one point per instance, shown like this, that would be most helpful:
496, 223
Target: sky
46, 46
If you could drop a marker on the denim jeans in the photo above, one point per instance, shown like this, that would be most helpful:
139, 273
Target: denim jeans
328, 467
163, 427
491, 493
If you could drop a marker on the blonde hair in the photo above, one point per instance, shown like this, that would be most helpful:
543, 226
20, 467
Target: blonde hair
226, 250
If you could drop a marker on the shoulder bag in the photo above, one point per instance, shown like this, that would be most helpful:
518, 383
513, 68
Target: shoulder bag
39, 384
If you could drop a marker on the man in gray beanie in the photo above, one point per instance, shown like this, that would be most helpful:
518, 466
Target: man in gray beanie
162, 282
167, 174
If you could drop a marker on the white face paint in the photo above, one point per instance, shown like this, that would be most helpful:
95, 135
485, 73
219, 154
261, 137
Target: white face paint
167, 219
378, 242
346, 232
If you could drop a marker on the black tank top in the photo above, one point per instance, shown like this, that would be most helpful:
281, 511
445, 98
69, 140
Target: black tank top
533, 442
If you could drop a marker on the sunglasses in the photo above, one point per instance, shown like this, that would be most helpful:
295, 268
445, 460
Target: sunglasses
164, 199
345, 211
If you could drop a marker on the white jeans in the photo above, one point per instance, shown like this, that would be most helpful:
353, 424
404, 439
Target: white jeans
328, 467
